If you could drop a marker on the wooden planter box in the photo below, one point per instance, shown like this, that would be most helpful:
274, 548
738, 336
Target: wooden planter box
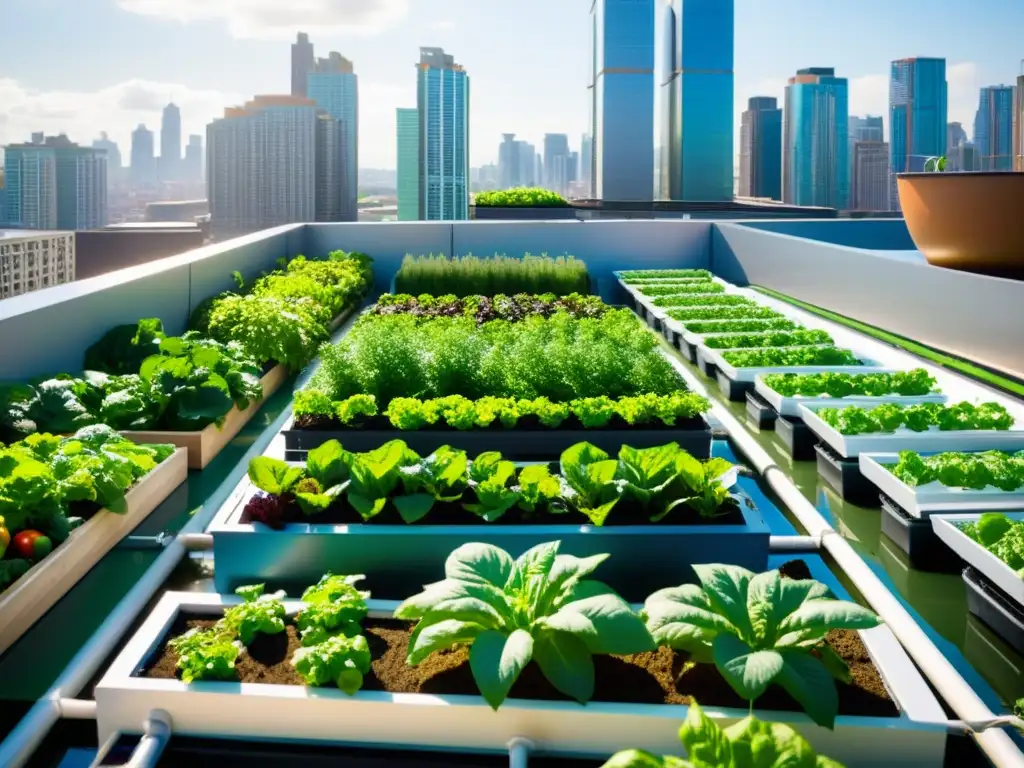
24, 602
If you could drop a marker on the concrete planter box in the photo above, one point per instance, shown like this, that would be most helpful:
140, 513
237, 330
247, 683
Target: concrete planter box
917, 737
517, 213
399, 559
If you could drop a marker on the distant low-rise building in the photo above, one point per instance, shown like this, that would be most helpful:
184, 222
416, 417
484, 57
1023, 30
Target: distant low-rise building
870, 182
30, 261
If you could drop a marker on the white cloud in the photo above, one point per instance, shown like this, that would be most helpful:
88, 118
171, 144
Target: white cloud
442, 25
117, 109
278, 19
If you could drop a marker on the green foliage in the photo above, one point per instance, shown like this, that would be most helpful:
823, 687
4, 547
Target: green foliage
208, 654
520, 197
641, 275
123, 348
760, 630
652, 482
1001, 535
332, 606
975, 471
888, 417
680, 289
750, 743
741, 326
704, 300
485, 308
723, 312
914, 383
763, 358
799, 338
470, 275
540, 607
935, 165
561, 358
260, 613
340, 660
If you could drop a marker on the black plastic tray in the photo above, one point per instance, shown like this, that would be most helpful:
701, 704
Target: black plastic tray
709, 369
797, 437
516, 444
845, 477
916, 537
735, 391
995, 609
760, 412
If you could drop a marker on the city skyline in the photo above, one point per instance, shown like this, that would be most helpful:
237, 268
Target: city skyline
235, 53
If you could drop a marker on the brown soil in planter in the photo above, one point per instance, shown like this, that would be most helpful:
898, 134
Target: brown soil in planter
662, 676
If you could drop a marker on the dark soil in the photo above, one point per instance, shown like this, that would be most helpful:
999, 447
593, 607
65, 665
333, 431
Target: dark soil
525, 424
660, 677
453, 514
798, 570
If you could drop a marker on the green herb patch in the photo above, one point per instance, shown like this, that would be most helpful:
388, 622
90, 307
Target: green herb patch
744, 310
681, 289
915, 383
484, 308
520, 197
704, 300
472, 276
763, 358
1000, 535
887, 418
800, 338
395, 484
954, 469
662, 274
48, 482
741, 326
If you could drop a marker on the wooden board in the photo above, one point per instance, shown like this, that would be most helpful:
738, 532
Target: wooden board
203, 445
24, 602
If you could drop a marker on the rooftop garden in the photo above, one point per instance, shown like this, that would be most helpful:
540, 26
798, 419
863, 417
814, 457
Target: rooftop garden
520, 197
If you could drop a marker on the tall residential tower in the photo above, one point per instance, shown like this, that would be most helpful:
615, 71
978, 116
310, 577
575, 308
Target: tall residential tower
761, 149
695, 99
815, 165
917, 117
407, 122
334, 86
993, 127
620, 90
170, 143
143, 168
302, 63
442, 98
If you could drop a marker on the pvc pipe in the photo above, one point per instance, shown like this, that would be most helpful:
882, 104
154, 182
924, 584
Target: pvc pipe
958, 695
196, 542
77, 709
794, 543
519, 749
156, 733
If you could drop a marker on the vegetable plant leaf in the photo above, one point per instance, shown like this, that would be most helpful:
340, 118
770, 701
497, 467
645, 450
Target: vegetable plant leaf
747, 671
567, 664
497, 660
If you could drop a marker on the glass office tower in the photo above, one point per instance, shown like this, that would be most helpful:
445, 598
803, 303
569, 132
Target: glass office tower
993, 127
443, 106
815, 162
761, 149
917, 112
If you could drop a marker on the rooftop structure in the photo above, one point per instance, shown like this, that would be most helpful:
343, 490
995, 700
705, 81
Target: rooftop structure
31, 261
815, 168
442, 102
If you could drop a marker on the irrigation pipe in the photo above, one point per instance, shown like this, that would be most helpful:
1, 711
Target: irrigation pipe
958, 695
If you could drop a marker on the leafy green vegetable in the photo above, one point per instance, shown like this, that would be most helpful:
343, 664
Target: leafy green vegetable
441, 476
889, 417
1002, 536
975, 471
769, 339
759, 630
704, 300
633, 275
762, 358
746, 325
332, 605
915, 383
539, 607
340, 660
208, 654
260, 613
681, 289
717, 312
750, 743
519, 197
122, 349
473, 276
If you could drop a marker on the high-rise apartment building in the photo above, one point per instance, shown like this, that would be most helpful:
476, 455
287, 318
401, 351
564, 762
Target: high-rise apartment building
993, 127
528, 164
955, 134
620, 89
917, 117
815, 164
695, 99
869, 185
143, 168
192, 170
268, 162
56, 184
170, 143
334, 86
557, 162
30, 261
508, 162
302, 64
443, 106
1018, 126
407, 122
869, 128
586, 159
114, 168
761, 149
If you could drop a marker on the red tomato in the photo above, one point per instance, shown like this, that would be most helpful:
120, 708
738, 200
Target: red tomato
32, 545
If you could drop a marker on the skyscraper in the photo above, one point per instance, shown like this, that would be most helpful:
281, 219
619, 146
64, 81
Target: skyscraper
143, 167
586, 158
993, 127
508, 162
917, 117
815, 165
30, 185
761, 149
621, 99
556, 162
870, 181
955, 134
408, 132
443, 105
114, 169
193, 165
302, 63
695, 99
527, 155
867, 128
334, 86
170, 143
1018, 125
263, 166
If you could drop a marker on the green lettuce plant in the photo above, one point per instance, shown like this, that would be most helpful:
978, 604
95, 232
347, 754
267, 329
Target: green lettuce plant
258, 614
340, 660
206, 654
760, 630
331, 606
539, 607
750, 743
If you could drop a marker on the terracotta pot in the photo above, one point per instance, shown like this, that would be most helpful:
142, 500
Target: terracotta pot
966, 220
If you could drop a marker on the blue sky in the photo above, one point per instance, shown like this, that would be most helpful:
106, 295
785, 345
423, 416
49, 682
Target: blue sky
84, 66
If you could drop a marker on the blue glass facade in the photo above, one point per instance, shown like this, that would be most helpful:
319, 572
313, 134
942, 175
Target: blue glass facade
917, 124
993, 128
816, 166
337, 93
443, 103
761, 149
695, 99
621, 91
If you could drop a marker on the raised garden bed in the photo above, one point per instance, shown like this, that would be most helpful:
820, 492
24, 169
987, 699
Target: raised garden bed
789, 405
26, 600
844, 476
924, 499
637, 700
915, 538
950, 529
